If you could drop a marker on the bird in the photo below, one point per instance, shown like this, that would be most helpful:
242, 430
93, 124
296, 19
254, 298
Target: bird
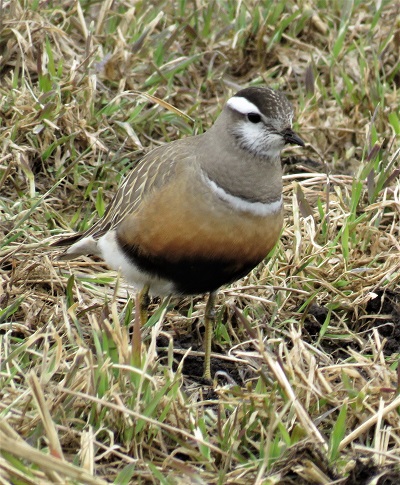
202, 211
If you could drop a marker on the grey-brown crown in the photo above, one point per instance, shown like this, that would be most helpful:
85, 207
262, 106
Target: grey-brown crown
271, 103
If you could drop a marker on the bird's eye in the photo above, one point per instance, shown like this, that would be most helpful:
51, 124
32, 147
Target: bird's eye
254, 117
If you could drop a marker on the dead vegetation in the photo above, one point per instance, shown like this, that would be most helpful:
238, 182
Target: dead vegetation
306, 347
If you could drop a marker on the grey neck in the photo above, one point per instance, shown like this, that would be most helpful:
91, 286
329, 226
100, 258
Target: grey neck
238, 172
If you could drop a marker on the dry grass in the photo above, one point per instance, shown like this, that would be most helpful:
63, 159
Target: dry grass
307, 384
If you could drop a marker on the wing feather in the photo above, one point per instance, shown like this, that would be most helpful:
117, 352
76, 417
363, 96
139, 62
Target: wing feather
152, 172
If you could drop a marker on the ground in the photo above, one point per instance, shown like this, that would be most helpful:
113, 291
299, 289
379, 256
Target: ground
305, 349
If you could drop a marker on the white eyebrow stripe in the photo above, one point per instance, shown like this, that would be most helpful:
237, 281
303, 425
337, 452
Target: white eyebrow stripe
262, 209
242, 105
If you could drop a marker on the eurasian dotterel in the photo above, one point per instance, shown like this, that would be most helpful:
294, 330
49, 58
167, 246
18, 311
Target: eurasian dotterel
199, 212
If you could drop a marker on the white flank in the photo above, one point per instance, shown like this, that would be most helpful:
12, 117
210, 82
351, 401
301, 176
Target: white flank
87, 245
256, 208
117, 260
242, 105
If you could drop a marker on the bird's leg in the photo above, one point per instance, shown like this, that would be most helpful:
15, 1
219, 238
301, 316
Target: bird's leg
144, 302
209, 320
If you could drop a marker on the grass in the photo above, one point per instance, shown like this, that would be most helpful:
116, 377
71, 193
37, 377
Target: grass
307, 388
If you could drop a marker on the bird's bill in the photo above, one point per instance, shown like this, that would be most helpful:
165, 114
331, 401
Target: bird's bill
291, 137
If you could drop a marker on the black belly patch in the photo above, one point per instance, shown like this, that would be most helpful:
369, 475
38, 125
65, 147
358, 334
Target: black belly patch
190, 275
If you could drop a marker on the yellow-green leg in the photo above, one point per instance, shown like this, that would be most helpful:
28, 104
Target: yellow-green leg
144, 302
209, 320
